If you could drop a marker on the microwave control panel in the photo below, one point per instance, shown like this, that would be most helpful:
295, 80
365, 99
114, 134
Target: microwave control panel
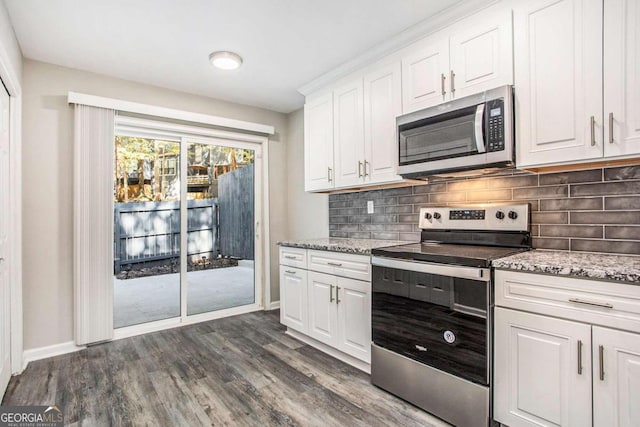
495, 125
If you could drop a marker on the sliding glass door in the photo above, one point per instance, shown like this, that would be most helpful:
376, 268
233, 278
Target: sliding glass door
185, 218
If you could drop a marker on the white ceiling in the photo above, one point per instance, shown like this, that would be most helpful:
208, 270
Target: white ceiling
285, 43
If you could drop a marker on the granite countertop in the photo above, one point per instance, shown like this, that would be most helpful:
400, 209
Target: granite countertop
352, 246
619, 268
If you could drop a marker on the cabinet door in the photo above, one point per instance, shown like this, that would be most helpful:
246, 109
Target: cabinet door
348, 134
558, 81
293, 298
425, 73
482, 53
318, 142
540, 377
354, 317
323, 317
616, 378
382, 103
621, 77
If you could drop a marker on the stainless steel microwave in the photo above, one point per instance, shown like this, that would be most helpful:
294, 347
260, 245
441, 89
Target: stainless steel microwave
474, 132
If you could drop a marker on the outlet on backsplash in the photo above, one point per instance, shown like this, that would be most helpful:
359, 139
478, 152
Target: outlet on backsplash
593, 210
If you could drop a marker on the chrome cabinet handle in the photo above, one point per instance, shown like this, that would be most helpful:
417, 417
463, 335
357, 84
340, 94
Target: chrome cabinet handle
329, 173
610, 128
359, 169
579, 357
331, 293
452, 76
442, 79
592, 124
337, 295
366, 163
290, 272
601, 361
594, 303
335, 264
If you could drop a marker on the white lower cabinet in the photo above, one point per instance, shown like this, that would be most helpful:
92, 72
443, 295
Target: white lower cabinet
329, 308
570, 364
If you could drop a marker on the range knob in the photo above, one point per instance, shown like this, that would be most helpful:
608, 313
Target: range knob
427, 216
436, 215
513, 214
500, 215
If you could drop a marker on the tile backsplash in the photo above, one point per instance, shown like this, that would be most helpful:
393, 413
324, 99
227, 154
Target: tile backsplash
595, 210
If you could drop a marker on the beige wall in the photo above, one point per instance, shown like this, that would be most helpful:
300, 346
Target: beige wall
308, 212
47, 184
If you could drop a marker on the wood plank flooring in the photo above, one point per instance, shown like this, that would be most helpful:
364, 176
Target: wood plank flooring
238, 371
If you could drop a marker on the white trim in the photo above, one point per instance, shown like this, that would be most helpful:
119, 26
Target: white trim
343, 357
50, 351
275, 305
176, 322
266, 228
12, 83
170, 113
430, 25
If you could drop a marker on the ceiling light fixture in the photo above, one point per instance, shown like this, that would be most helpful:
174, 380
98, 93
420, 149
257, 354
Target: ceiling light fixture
225, 60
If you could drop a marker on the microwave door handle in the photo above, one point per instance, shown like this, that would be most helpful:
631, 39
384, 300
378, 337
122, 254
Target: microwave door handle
478, 129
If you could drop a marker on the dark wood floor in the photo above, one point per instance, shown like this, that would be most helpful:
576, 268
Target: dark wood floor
241, 370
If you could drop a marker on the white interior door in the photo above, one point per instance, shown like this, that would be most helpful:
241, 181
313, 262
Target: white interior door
5, 295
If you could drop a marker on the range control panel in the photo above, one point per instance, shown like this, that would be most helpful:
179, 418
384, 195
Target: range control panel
494, 217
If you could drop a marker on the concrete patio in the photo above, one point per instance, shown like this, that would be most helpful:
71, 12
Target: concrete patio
152, 298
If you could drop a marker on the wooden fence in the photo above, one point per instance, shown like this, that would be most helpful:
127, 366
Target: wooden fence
147, 232
236, 207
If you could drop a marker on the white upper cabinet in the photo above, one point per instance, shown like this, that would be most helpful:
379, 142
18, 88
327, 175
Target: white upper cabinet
481, 54
425, 73
558, 76
348, 134
474, 55
621, 77
382, 104
318, 143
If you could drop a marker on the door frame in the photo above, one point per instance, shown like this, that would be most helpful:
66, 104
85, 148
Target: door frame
183, 134
12, 83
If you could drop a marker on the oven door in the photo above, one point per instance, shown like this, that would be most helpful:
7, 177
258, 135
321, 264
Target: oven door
434, 318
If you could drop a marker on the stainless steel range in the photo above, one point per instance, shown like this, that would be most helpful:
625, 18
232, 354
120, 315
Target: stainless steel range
432, 309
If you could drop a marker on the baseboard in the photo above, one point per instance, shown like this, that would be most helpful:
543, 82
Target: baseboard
50, 351
350, 360
275, 305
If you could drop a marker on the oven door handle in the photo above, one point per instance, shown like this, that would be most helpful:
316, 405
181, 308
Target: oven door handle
479, 121
471, 273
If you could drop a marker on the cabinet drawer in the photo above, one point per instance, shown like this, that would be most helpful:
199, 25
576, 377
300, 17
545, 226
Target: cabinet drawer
601, 303
293, 257
339, 264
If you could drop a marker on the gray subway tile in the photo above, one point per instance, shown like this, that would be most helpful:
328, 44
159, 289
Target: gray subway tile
514, 181
360, 235
360, 219
339, 204
535, 230
384, 236
399, 191
377, 219
410, 218
551, 192
439, 187
410, 200
606, 217
398, 209
371, 227
608, 246
338, 219
622, 173
409, 237
490, 195
549, 217
592, 231
605, 189
385, 201
338, 234
571, 204
622, 232
592, 175
467, 185
399, 227
557, 244
447, 197
622, 203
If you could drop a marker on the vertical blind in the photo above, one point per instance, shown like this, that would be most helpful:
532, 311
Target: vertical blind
93, 223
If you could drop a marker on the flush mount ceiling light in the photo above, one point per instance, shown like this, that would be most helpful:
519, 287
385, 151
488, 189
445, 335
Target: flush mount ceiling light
225, 60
